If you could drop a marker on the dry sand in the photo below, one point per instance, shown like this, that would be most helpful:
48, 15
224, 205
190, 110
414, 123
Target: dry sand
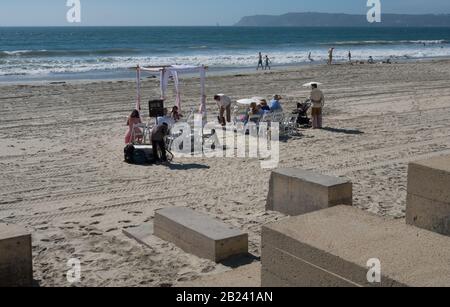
62, 175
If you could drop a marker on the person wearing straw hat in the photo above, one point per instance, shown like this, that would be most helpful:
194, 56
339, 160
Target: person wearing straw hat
318, 100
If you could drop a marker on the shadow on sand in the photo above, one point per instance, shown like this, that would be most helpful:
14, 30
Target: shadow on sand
343, 131
238, 261
185, 167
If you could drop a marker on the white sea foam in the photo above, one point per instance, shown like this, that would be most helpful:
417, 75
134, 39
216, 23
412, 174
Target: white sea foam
30, 65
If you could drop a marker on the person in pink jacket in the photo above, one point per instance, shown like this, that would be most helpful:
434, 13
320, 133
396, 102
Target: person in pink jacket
133, 119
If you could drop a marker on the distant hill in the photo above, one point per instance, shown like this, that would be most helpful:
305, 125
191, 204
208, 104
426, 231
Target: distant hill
343, 20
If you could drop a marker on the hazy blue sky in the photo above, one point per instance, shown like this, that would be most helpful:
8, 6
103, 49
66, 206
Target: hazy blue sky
189, 12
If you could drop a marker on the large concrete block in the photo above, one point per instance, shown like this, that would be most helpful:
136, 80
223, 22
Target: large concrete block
199, 234
428, 214
332, 247
16, 266
295, 191
428, 203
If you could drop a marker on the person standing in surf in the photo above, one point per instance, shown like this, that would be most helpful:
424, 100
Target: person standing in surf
268, 62
260, 62
330, 56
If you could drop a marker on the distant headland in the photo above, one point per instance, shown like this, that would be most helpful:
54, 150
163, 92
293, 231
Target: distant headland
343, 20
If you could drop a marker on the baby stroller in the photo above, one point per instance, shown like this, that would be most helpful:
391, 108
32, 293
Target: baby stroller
303, 120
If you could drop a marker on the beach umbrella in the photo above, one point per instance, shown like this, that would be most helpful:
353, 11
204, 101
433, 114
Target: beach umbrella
258, 99
249, 101
311, 84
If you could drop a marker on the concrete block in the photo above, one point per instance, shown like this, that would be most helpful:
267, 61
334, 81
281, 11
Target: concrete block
297, 271
430, 179
247, 276
428, 201
142, 234
331, 247
199, 234
273, 281
428, 214
16, 264
295, 191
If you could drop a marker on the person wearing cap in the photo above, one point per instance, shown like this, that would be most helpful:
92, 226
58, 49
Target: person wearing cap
275, 105
224, 104
318, 100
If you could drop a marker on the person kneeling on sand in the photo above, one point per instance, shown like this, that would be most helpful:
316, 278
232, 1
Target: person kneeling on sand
318, 100
224, 104
159, 133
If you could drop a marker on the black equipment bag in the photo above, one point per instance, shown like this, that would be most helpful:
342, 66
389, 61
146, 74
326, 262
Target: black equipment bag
129, 153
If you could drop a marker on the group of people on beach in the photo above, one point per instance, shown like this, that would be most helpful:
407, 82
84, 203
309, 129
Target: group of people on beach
264, 62
349, 56
255, 111
157, 134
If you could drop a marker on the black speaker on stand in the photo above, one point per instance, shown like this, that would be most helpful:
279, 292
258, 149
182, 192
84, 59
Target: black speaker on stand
156, 108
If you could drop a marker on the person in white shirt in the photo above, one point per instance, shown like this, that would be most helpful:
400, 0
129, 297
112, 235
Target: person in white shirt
224, 104
318, 100
166, 119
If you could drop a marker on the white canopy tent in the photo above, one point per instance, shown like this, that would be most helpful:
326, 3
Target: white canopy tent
165, 72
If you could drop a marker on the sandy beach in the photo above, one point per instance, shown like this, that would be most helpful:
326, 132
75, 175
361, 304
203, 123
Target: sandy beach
62, 174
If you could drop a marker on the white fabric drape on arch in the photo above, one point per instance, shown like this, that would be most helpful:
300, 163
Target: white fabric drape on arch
174, 72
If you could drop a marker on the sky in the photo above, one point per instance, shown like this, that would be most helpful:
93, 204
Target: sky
189, 12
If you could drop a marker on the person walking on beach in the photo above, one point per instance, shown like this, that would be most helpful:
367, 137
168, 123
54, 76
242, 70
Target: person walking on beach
349, 56
318, 100
224, 104
260, 61
310, 57
330, 56
268, 62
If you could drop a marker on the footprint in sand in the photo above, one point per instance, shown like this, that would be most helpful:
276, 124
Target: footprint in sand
94, 223
111, 230
95, 233
97, 215
75, 223
135, 212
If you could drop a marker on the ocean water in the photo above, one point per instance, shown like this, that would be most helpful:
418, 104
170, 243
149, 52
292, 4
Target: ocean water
107, 52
